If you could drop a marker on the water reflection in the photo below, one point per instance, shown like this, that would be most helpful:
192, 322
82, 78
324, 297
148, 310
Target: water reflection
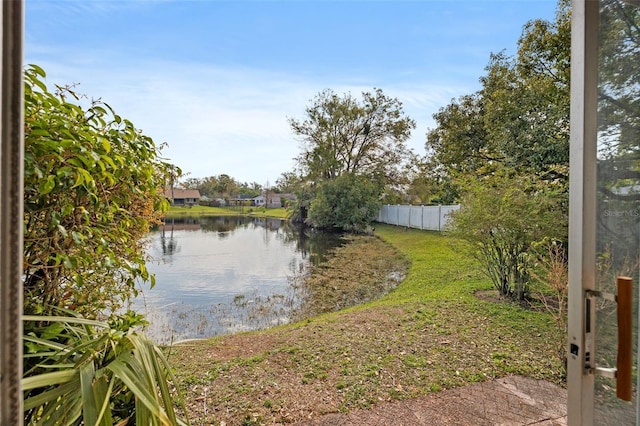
222, 274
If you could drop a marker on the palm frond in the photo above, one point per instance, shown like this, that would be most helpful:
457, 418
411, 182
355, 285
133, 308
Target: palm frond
81, 371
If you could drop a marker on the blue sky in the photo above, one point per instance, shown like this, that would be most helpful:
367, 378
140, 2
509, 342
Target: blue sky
217, 80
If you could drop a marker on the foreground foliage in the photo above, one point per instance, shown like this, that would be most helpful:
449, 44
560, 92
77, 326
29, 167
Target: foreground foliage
91, 184
80, 371
91, 193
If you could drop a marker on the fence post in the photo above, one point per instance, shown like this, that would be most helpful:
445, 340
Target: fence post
411, 216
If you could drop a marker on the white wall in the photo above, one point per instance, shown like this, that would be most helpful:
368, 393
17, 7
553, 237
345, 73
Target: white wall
433, 218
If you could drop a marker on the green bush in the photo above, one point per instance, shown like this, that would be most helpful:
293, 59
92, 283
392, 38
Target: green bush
502, 216
348, 203
91, 192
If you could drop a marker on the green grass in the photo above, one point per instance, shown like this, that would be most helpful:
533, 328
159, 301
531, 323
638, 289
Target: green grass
177, 211
430, 333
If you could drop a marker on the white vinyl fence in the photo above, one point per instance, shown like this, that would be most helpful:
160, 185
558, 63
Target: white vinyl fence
432, 218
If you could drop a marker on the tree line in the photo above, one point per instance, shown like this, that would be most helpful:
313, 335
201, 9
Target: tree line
502, 152
225, 187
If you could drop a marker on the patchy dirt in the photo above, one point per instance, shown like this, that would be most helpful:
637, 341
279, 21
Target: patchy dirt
535, 302
489, 296
345, 362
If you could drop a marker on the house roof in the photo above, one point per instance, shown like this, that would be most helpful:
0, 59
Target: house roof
181, 193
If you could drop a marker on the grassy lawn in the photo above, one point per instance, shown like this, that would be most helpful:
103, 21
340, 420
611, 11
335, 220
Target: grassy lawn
429, 334
176, 211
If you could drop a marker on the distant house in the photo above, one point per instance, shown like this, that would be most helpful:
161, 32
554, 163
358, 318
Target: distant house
284, 199
212, 202
274, 200
182, 197
270, 201
242, 200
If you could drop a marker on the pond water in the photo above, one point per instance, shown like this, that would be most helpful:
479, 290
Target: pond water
223, 274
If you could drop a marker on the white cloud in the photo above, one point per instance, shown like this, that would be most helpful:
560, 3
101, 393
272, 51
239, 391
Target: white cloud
221, 120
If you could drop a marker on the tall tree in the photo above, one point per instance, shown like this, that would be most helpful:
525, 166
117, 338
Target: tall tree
520, 117
344, 135
287, 182
226, 185
429, 184
192, 183
527, 99
459, 142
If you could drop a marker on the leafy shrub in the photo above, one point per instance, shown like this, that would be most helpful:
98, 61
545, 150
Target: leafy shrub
502, 216
91, 192
349, 203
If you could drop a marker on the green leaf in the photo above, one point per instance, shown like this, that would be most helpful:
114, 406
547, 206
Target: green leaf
39, 132
89, 409
62, 230
70, 262
38, 70
52, 331
51, 396
79, 180
64, 319
48, 379
129, 370
102, 391
77, 237
40, 84
48, 185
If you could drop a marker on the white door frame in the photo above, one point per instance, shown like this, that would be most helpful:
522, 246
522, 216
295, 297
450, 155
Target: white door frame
582, 205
